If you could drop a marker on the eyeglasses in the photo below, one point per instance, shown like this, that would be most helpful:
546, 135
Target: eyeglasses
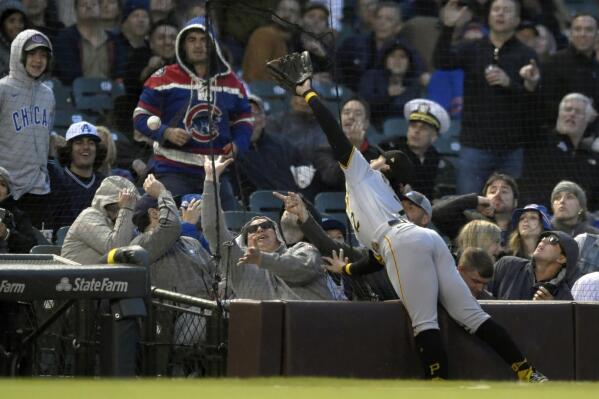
251, 229
551, 240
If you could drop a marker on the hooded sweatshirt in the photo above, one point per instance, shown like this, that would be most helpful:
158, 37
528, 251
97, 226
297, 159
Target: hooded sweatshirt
177, 263
180, 99
93, 234
26, 117
287, 273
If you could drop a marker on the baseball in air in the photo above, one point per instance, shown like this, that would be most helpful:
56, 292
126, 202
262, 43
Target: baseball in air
154, 122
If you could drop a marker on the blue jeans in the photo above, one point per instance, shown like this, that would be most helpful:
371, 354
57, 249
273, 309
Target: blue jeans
180, 184
475, 166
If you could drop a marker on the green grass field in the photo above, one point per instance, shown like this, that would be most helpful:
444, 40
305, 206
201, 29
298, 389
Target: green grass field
289, 388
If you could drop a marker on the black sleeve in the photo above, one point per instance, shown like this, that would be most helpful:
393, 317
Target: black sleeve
366, 265
448, 215
325, 244
21, 238
342, 148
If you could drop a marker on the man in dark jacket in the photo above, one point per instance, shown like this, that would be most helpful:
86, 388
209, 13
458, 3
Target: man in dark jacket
272, 162
427, 120
541, 278
574, 69
499, 93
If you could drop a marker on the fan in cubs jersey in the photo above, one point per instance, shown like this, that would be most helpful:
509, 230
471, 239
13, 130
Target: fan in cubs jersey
417, 260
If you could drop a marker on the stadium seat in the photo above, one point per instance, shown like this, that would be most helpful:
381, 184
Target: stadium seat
62, 94
39, 237
95, 94
266, 204
449, 142
237, 219
275, 97
61, 234
395, 127
46, 249
331, 91
332, 202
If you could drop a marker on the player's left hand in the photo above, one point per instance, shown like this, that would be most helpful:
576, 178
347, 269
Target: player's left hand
336, 263
252, 256
542, 294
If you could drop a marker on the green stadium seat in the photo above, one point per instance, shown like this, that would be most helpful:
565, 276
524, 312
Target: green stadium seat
395, 127
266, 204
95, 94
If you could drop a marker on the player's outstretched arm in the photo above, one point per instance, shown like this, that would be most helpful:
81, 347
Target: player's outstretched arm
294, 71
340, 144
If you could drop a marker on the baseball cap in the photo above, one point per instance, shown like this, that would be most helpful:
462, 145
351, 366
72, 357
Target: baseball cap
419, 200
82, 129
35, 41
332, 224
427, 111
187, 198
141, 210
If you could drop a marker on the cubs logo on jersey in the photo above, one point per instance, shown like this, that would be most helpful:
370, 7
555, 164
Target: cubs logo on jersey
197, 122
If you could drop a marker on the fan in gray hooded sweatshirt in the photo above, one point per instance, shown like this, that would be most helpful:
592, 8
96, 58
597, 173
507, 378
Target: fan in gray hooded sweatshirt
286, 273
26, 117
94, 233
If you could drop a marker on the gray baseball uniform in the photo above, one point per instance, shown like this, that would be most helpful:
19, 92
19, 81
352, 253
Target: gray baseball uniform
417, 260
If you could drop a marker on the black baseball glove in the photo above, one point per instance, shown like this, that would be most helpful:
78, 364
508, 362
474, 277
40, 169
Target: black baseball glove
291, 70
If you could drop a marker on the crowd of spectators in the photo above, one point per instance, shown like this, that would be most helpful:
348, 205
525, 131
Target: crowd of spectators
515, 84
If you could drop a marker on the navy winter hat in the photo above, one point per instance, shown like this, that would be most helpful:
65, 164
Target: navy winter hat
132, 5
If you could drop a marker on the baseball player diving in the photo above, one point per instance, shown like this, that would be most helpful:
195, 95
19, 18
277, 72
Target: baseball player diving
418, 262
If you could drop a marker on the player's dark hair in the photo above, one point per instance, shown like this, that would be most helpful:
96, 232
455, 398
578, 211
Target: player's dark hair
504, 177
478, 259
359, 99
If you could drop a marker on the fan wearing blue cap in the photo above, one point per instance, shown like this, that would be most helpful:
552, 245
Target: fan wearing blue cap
75, 181
527, 225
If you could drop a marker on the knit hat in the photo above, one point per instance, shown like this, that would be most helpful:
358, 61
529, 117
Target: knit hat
573, 188
132, 5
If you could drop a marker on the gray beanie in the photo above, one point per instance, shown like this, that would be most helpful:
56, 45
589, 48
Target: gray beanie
573, 188
4, 174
